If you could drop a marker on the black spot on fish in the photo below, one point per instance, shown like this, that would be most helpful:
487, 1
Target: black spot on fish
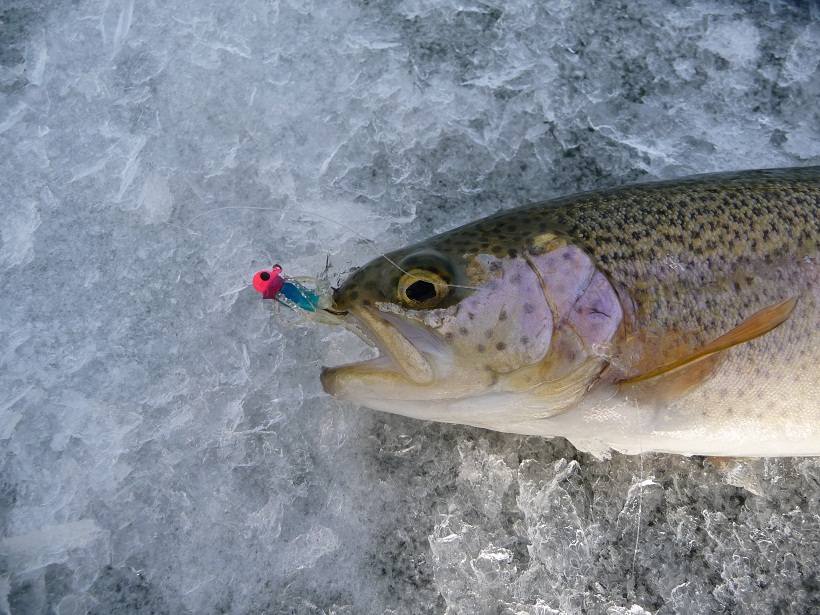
488, 333
449, 335
481, 348
462, 330
525, 339
470, 315
512, 252
529, 308
501, 346
502, 315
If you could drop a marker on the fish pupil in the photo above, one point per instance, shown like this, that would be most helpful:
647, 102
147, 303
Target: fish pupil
265, 276
421, 291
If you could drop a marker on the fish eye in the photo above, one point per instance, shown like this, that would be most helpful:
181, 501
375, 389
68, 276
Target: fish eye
264, 275
420, 291
420, 288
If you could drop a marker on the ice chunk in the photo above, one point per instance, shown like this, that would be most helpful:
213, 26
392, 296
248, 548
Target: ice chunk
306, 549
737, 41
156, 199
57, 544
5, 589
803, 60
18, 234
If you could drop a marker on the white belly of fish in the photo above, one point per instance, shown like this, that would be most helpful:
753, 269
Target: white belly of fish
754, 406
751, 408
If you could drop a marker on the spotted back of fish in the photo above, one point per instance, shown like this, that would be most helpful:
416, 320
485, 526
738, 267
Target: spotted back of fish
693, 254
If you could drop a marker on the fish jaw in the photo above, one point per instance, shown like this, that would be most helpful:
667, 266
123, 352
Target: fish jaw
413, 360
410, 361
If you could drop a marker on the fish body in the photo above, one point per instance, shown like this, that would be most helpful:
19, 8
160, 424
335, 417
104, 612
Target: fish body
678, 316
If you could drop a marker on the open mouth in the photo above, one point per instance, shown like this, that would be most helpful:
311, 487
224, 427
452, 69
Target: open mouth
390, 340
406, 349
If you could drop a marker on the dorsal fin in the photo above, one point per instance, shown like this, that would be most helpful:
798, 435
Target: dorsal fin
678, 376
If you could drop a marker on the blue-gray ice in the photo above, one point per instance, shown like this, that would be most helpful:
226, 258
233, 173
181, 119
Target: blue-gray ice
165, 446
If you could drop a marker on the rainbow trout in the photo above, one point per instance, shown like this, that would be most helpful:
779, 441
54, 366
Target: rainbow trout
678, 316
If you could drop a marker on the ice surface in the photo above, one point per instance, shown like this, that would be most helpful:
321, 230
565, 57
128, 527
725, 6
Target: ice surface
166, 447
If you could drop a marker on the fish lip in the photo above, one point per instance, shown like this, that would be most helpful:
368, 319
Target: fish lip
390, 336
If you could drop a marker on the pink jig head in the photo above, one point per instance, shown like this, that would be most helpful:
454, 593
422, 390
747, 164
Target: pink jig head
290, 292
269, 283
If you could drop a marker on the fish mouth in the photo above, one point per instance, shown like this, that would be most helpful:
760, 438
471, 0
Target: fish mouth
407, 353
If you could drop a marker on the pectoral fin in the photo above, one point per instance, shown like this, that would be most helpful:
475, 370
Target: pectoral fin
564, 392
676, 377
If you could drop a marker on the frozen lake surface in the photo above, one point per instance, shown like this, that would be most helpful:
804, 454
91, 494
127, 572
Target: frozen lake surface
166, 447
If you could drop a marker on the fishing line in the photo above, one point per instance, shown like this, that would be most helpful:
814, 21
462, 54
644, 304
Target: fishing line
369, 242
285, 211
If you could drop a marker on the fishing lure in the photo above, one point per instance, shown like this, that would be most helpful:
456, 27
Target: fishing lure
306, 297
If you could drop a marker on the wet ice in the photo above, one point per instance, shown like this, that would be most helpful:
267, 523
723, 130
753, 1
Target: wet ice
165, 444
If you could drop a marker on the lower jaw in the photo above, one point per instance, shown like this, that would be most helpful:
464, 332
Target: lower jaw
411, 362
378, 384
349, 381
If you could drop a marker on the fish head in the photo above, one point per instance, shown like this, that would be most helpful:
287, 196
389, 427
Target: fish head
476, 338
